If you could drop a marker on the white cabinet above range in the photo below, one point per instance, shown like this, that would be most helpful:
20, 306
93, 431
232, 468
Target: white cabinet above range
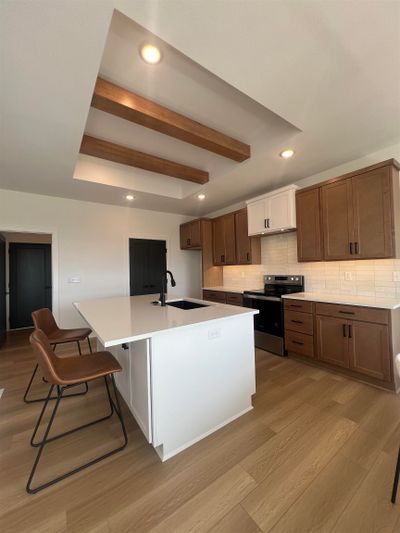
272, 212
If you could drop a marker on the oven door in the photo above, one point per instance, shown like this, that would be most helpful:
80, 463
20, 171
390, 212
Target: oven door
268, 324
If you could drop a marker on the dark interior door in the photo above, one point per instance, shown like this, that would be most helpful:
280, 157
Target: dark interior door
30, 281
148, 262
3, 325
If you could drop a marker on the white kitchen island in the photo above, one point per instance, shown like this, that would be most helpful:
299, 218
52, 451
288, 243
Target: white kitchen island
185, 373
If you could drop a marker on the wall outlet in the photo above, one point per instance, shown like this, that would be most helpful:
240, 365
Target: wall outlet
348, 276
396, 276
214, 333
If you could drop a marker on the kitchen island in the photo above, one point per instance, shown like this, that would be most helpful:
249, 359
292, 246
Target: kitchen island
185, 373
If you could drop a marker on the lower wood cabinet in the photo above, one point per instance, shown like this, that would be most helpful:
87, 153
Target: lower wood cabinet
353, 339
231, 298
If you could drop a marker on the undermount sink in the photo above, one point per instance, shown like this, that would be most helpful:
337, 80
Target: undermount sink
186, 304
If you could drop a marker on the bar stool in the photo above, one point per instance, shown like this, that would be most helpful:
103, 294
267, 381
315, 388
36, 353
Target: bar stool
43, 319
63, 373
396, 479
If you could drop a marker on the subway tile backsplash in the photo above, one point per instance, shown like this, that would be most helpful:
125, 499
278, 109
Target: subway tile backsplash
379, 277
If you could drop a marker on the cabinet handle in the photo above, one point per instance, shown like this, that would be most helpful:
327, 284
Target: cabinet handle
248, 256
188, 242
356, 247
350, 332
298, 342
268, 223
344, 330
222, 258
296, 321
295, 305
124, 346
347, 312
351, 248
265, 223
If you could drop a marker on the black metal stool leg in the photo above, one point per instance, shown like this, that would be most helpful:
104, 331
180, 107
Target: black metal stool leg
114, 407
90, 346
396, 479
79, 347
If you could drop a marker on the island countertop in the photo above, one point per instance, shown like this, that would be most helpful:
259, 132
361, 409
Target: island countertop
129, 318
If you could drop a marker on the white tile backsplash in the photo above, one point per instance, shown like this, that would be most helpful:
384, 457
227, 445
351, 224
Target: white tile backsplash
279, 256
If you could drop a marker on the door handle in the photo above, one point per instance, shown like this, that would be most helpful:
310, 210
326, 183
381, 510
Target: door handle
344, 330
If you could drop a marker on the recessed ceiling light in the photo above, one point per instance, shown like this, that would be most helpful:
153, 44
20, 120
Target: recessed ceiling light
130, 197
201, 196
287, 154
150, 53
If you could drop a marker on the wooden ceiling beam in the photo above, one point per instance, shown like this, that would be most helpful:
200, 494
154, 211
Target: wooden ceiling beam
127, 105
128, 156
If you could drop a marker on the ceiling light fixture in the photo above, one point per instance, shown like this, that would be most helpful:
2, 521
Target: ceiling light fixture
201, 196
150, 54
287, 154
130, 197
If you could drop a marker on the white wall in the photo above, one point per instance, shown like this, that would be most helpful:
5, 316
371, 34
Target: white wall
91, 241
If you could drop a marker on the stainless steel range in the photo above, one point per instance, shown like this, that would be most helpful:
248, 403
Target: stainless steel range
268, 324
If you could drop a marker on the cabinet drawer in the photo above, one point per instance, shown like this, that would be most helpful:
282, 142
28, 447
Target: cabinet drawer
234, 298
298, 305
300, 322
354, 312
215, 296
299, 343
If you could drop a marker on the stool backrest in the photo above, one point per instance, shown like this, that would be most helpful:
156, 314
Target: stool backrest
43, 319
45, 355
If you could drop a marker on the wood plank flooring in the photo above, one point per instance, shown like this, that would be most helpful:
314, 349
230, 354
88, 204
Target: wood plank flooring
316, 454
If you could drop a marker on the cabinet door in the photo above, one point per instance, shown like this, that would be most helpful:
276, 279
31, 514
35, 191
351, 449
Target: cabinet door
332, 341
279, 211
256, 212
337, 214
230, 239
243, 241
195, 234
309, 230
373, 223
185, 236
219, 241
369, 349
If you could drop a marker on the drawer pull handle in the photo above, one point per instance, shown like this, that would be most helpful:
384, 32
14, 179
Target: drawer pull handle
297, 321
347, 312
298, 342
295, 305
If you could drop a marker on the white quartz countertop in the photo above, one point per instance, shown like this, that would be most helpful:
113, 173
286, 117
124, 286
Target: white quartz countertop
225, 288
346, 299
130, 318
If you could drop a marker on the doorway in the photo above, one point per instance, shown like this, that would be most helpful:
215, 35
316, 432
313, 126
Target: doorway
147, 265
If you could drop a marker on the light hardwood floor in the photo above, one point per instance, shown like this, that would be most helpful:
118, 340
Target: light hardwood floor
316, 454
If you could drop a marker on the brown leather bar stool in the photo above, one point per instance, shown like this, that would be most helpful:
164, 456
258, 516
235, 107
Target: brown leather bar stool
43, 319
63, 373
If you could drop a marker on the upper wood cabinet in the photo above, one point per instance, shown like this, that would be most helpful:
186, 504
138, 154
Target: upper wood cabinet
190, 235
248, 249
337, 216
359, 214
309, 226
224, 240
272, 212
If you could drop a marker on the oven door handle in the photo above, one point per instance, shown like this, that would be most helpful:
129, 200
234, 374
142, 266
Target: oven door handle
268, 298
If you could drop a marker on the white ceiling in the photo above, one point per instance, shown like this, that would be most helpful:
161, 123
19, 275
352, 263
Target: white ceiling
331, 69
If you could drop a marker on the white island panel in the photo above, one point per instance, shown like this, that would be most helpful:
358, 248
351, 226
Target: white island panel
202, 379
